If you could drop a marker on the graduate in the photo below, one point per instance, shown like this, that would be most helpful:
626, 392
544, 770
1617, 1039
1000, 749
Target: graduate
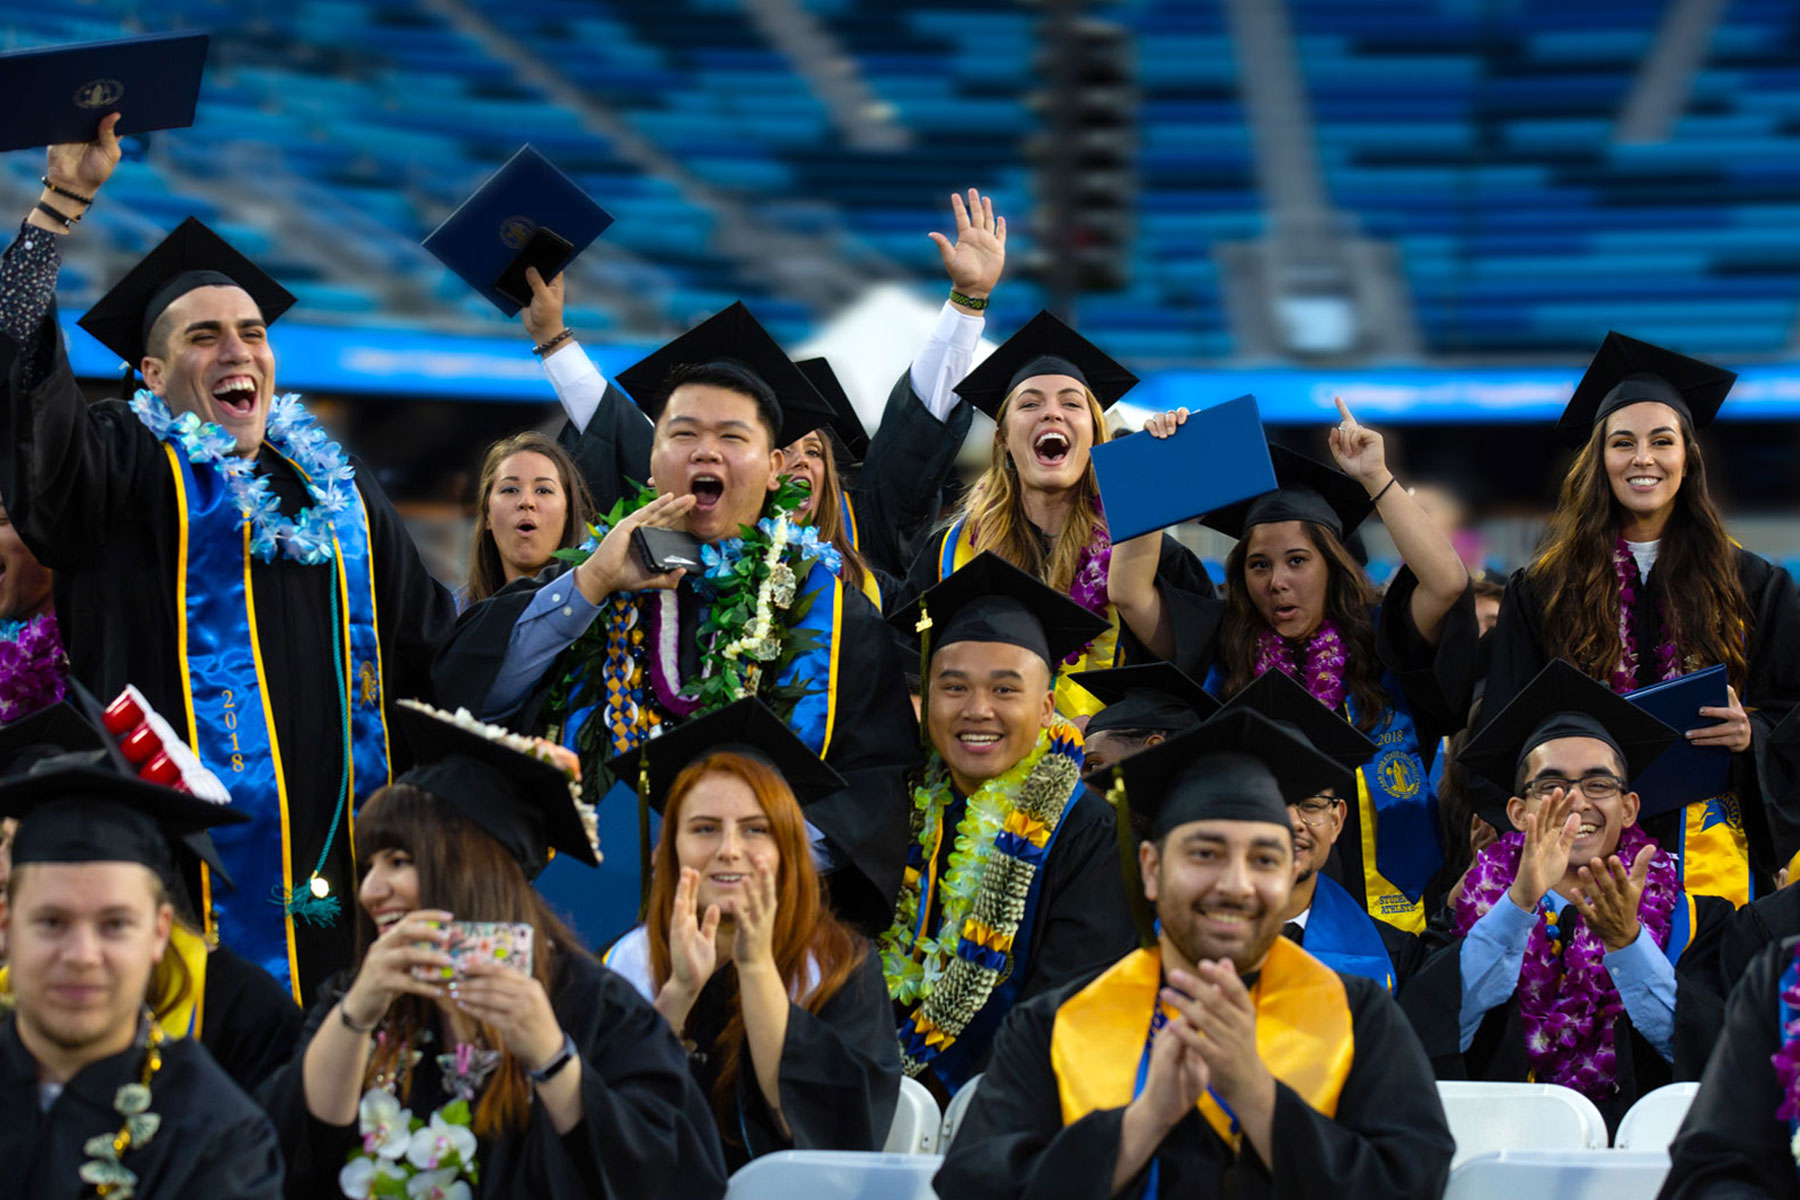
246, 1020
532, 502
536, 1070
1634, 515
93, 1090
1397, 667
1012, 885
1562, 960
1320, 914
603, 654
872, 519
1146, 705
1737, 1142
1037, 505
783, 1006
317, 605
1223, 1059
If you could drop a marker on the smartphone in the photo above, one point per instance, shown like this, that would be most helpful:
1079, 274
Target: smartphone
505, 942
667, 549
546, 250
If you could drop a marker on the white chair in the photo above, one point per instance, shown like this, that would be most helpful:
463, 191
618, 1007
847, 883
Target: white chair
954, 1113
1653, 1121
1519, 1116
1560, 1175
916, 1119
835, 1175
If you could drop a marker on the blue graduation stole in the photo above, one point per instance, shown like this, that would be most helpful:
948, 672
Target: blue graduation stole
1407, 852
230, 715
1343, 937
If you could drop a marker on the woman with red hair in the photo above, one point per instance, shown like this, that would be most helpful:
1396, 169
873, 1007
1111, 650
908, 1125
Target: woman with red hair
783, 1007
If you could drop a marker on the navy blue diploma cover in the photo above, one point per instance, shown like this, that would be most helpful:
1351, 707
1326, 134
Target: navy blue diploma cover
480, 240
55, 94
1684, 773
1220, 456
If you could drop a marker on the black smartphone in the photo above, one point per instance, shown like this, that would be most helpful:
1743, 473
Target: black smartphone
546, 250
666, 549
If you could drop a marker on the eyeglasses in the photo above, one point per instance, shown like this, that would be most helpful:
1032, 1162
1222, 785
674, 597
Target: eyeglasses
1594, 787
1314, 810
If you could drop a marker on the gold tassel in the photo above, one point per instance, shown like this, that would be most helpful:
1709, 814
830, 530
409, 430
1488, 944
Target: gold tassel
1128, 862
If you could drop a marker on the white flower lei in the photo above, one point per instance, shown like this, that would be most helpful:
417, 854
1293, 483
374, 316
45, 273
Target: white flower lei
330, 480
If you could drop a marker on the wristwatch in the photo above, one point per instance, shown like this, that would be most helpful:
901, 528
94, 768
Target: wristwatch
543, 1073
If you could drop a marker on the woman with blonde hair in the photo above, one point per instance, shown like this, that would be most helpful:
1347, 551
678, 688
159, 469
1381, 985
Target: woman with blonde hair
783, 1005
1637, 581
1037, 505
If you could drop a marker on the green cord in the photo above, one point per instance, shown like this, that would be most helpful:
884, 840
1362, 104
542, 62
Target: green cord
301, 902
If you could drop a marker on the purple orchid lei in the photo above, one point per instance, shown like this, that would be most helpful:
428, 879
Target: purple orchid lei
1786, 1060
34, 668
1325, 658
1567, 1002
1668, 659
1088, 587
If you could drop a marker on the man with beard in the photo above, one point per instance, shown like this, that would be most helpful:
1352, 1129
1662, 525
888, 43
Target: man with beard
602, 654
91, 1093
1224, 1058
213, 546
1572, 955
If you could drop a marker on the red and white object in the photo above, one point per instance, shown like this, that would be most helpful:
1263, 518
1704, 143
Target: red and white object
154, 750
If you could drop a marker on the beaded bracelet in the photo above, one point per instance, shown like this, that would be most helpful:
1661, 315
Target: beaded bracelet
66, 193
958, 298
543, 348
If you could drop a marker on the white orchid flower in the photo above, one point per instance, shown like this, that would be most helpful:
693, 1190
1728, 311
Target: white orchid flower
437, 1185
437, 1141
384, 1125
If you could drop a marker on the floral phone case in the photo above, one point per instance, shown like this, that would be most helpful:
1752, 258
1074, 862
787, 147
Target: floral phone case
503, 942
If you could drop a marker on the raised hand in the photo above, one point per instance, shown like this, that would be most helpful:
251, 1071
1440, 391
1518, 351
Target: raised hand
615, 566
1732, 730
975, 261
84, 166
411, 944
1608, 898
754, 919
1359, 451
693, 950
543, 317
1550, 827
1164, 424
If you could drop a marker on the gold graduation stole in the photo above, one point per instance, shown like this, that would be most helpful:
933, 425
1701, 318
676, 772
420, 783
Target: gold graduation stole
1303, 1034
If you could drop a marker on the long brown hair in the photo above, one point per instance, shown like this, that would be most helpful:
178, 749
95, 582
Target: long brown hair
807, 932
1348, 599
487, 574
1707, 616
996, 513
828, 514
461, 870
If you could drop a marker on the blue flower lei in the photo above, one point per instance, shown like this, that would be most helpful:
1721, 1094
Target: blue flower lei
330, 480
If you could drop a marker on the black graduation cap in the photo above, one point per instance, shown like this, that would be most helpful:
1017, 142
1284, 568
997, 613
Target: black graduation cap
1286, 701
990, 600
1562, 702
72, 810
1306, 490
845, 425
746, 726
733, 336
1627, 371
192, 256
1237, 766
1154, 696
1044, 346
521, 801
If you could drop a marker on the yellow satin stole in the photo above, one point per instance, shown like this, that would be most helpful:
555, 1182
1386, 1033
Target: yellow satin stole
1303, 1034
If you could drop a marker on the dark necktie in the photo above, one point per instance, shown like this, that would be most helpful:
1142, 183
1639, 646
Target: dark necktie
1294, 932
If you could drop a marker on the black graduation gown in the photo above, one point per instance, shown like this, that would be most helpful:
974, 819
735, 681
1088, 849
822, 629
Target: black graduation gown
1433, 1002
1731, 1146
874, 743
250, 1023
214, 1142
1404, 950
613, 451
1083, 918
1767, 777
840, 1069
89, 491
645, 1133
1389, 1138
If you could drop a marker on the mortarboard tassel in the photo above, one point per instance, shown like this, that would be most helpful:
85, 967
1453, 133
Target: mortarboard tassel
1128, 862
643, 798
923, 629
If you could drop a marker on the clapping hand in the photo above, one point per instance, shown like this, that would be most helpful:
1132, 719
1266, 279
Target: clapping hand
1608, 898
1178, 1074
1550, 828
975, 261
1218, 1004
753, 917
693, 950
